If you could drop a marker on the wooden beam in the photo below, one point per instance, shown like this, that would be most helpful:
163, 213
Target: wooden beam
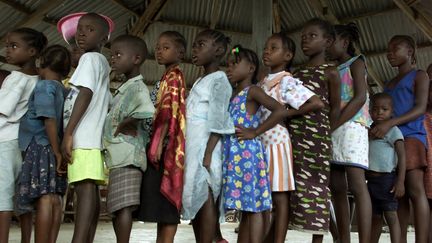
216, 11
416, 17
17, 6
370, 14
147, 17
123, 6
37, 16
276, 17
202, 27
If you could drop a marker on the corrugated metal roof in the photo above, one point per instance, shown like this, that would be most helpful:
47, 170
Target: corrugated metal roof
191, 16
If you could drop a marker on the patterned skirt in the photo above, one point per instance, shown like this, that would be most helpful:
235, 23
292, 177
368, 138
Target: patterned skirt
38, 176
123, 188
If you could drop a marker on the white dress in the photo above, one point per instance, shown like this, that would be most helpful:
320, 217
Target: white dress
206, 113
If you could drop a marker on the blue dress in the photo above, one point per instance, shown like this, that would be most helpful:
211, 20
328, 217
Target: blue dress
245, 172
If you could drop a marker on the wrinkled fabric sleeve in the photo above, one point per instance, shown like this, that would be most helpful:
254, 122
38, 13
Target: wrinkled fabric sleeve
394, 135
10, 93
87, 73
44, 100
141, 107
294, 93
219, 119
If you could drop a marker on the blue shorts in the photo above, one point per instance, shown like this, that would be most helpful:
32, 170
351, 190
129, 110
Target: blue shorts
381, 197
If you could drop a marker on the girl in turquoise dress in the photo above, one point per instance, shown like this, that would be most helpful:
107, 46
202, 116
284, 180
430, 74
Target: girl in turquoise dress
245, 172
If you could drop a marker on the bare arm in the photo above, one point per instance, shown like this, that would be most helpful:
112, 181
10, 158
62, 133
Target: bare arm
312, 104
211, 144
358, 72
51, 130
399, 188
421, 90
81, 104
333, 78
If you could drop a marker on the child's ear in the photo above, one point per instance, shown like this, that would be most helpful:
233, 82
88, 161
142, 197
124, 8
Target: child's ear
220, 51
181, 55
329, 42
252, 68
138, 59
288, 56
32, 51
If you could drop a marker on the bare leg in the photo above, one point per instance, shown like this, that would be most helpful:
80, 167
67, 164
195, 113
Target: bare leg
430, 218
206, 220
123, 224
377, 223
416, 192
57, 212
256, 228
403, 215
317, 238
393, 223
5, 219
167, 233
358, 187
243, 234
96, 212
87, 207
43, 219
269, 233
26, 223
339, 188
281, 214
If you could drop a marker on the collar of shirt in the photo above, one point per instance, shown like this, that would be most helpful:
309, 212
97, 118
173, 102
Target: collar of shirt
125, 86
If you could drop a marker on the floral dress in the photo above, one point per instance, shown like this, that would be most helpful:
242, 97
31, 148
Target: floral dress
246, 184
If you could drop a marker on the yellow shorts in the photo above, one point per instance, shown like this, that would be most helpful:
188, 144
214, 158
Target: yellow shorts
87, 164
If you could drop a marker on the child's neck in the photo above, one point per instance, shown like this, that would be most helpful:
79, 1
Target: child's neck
344, 58
404, 68
133, 73
243, 84
316, 59
278, 68
170, 65
211, 67
29, 68
50, 75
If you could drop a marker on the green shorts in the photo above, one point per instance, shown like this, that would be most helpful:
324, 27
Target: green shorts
87, 164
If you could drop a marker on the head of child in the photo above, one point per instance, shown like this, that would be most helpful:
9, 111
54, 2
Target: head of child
382, 107
243, 65
316, 37
170, 48
54, 61
401, 50
209, 47
92, 32
127, 54
23, 46
344, 44
279, 52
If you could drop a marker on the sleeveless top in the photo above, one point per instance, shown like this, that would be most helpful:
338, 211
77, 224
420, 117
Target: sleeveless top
347, 92
403, 96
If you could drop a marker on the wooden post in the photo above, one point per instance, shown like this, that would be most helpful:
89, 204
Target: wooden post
262, 24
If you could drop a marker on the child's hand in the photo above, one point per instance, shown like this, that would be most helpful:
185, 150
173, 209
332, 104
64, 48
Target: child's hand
156, 157
66, 148
59, 162
127, 127
381, 129
243, 133
398, 189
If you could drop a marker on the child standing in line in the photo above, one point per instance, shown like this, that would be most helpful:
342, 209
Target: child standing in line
246, 182
42, 182
386, 172
208, 118
350, 139
409, 90
310, 134
22, 48
278, 54
85, 110
124, 137
163, 181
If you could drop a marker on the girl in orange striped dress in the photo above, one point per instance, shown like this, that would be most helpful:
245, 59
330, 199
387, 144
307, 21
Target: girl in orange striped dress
278, 55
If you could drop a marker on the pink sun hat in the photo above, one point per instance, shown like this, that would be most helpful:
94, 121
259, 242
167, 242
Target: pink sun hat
67, 26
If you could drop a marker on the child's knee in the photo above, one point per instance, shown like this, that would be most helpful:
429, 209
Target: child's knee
391, 217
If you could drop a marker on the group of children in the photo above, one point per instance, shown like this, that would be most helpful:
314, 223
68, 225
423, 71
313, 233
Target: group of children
281, 149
